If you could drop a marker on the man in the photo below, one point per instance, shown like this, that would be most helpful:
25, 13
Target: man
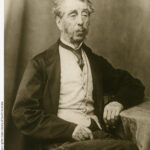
60, 98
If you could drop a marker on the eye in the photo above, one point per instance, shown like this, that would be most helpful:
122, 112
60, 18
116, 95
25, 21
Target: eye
73, 15
85, 14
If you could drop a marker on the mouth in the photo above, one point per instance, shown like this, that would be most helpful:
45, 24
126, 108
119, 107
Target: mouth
81, 31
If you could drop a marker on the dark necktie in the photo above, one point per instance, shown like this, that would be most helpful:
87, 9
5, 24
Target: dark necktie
76, 52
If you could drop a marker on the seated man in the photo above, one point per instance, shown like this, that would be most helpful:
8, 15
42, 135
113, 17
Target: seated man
60, 98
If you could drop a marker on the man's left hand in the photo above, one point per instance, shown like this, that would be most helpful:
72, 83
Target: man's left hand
111, 113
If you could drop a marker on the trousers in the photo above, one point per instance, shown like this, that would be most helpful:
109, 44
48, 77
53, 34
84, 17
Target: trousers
102, 141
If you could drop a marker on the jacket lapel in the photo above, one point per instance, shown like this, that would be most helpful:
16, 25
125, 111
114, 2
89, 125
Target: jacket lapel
97, 81
53, 71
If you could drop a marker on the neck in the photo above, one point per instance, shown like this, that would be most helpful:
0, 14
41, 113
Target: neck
74, 45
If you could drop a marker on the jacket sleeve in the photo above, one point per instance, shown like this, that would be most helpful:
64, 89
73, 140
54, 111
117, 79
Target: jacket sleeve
120, 86
28, 114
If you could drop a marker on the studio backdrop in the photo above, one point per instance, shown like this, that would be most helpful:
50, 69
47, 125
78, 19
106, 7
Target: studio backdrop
119, 31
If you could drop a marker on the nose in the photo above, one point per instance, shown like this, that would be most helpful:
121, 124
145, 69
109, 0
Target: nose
80, 20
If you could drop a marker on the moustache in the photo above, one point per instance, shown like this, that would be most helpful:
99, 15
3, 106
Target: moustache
81, 30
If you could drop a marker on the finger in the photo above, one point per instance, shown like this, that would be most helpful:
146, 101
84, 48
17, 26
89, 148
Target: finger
75, 137
91, 136
105, 115
117, 115
89, 132
108, 117
77, 133
112, 117
80, 137
85, 134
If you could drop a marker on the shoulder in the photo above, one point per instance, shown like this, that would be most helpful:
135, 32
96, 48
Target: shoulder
92, 54
47, 55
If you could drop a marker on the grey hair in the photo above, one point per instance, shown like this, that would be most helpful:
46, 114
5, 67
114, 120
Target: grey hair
57, 9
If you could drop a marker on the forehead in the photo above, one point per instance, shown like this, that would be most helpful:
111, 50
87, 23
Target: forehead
69, 5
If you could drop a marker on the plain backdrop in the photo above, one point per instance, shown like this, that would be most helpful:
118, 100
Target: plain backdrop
119, 31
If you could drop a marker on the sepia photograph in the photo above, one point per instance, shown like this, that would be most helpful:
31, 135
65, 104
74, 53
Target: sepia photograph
76, 75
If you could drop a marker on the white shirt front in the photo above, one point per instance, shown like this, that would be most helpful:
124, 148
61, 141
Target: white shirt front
76, 101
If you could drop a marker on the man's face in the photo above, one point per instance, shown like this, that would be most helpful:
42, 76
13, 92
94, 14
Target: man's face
75, 20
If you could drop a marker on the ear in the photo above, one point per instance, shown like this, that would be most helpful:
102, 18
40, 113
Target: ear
59, 22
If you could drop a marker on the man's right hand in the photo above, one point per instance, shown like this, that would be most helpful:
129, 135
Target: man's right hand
82, 133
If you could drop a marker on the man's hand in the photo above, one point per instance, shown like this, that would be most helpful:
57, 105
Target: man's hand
111, 113
82, 133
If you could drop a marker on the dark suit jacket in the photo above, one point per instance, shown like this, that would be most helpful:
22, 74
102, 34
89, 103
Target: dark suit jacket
36, 104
